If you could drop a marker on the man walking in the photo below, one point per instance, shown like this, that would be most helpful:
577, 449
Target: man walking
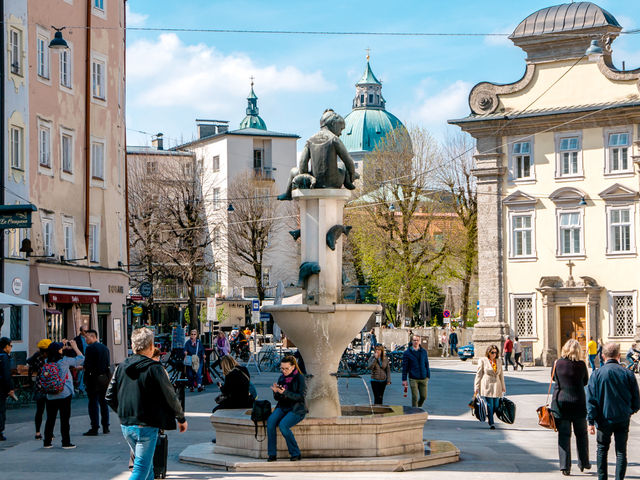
508, 350
81, 342
146, 402
592, 346
444, 341
415, 365
453, 342
6, 384
612, 397
96, 378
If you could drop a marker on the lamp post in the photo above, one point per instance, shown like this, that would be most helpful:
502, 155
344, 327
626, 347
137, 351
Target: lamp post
58, 42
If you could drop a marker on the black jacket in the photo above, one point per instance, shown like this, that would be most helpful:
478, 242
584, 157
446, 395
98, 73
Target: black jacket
236, 389
6, 383
96, 367
612, 395
293, 397
141, 393
569, 401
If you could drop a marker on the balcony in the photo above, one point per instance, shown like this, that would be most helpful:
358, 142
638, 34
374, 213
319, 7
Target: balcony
175, 292
263, 173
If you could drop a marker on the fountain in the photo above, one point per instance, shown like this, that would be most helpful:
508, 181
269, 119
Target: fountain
331, 437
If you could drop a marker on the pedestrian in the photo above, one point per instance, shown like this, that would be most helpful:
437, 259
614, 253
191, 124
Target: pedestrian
453, 342
35, 362
59, 354
221, 347
633, 355
193, 349
289, 391
380, 373
489, 381
97, 375
235, 391
517, 353
6, 384
612, 397
599, 353
373, 341
569, 405
415, 366
592, 347
444, 343
508, 350
146, 402
81, 342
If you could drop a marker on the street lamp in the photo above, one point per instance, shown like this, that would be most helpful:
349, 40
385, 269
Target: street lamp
230, 208
58, 43
594, 50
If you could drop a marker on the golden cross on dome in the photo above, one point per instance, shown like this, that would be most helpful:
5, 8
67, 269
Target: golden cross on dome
251, 77
368, 50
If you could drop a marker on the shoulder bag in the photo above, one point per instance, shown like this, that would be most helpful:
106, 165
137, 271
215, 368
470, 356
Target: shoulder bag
545, 417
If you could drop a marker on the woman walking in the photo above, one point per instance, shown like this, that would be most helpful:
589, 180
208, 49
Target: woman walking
221, 347
35, 362
380, 373
236, 387
289, 392
489, 382
569, 406
193, 348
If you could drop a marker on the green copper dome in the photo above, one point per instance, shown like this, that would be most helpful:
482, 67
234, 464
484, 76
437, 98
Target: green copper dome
253, 120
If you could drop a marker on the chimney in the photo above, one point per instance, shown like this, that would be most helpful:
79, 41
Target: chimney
206, 130
157, 142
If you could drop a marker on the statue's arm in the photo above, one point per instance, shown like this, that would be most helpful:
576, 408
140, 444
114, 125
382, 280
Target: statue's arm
342, 152
305, 156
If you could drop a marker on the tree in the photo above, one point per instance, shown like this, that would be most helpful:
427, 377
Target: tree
398, 211
457, 177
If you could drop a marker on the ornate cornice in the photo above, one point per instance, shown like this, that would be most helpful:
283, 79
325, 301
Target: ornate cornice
612, 73
483, 98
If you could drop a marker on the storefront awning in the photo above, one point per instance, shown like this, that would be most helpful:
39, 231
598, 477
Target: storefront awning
11, 301
69, 293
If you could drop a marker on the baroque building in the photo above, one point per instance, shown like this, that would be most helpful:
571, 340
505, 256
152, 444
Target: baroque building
558, 188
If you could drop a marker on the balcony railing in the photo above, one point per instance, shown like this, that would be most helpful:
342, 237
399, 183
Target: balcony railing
264, 173
181, 291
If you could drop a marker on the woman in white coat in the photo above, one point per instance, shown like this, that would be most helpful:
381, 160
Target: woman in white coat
489, 382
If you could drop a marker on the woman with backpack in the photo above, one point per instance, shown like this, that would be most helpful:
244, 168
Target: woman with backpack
56, 380
35, 362
289, 392
236, 389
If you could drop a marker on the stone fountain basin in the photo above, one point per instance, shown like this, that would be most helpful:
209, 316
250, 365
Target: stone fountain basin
389, 430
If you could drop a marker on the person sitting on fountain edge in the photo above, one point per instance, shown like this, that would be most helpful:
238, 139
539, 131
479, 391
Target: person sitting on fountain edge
319, 166
289, 391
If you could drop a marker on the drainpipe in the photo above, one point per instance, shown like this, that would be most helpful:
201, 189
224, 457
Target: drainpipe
87, 131
3, 156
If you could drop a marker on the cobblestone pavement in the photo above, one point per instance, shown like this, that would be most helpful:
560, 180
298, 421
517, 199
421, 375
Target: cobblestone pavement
522, 450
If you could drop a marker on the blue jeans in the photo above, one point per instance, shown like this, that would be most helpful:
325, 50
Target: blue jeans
592, 361
492, 406
142, 441
195, 379
284, 420
454, 348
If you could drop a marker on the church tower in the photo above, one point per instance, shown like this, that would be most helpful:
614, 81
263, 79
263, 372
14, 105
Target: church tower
253, 119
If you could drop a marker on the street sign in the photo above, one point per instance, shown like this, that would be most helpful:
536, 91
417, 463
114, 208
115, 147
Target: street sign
137, 311
145, 289
255, 317
255, 305
135, 298
211, 309
446, 314
16, 216
265, 317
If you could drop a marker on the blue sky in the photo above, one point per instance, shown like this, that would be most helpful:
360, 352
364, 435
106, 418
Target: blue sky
173, 78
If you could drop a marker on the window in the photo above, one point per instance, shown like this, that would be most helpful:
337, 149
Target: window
215, 198
16, 145
266, 276
569, 156
523, 314
99, 4
47, 236
371, 98
42, 53
216, 163
216, 237
44, 145
257, 158
67, 228
521, 160
570, 233
15, 242
522, 235
152, 167
15, 51
622, 314
97, 160
66, 152
15, 330
94, 246
620, 230
98, 69
362, 98
66, 68
618, 153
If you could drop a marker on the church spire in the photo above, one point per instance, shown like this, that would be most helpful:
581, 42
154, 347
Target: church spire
368, 90
253, 120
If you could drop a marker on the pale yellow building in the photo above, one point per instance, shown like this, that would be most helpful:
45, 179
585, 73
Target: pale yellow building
558, 188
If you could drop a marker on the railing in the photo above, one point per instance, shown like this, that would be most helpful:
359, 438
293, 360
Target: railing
265, 173
181, 291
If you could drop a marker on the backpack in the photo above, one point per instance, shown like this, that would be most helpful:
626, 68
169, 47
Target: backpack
49, 380
260, 413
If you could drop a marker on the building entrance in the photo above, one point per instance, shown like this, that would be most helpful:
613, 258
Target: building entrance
573, 324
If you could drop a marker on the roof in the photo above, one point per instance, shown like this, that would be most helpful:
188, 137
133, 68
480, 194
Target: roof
364, 128
510, 115
368, 77
253, 121
567, 17
141, 150
252, 132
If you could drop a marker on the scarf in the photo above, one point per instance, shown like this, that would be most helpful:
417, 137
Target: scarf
289, 378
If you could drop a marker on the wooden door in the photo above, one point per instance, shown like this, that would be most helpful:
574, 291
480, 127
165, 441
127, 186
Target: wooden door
573, 324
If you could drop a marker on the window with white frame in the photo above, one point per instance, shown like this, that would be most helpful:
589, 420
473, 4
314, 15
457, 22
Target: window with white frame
569, 156
44, 144
15, 51
42, 54
99, 4
522, 234
618, 159
15, 242
523, 317
215, 198
521, 160
266, 276
216, 237
621, 231
66, 152
97, 160
570, 233
94, 243
98, 78
67, 230
216, 163
16, 144
66, 68
47, 236
623, 314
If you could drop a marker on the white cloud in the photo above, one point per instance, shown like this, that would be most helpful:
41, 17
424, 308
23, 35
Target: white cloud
135, 19
434, 110
166, 72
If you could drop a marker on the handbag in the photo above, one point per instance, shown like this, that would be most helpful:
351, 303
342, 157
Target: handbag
195, 360
545, 417
506, 411
478, 408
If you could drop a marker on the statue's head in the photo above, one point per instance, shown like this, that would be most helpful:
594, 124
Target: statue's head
333, 121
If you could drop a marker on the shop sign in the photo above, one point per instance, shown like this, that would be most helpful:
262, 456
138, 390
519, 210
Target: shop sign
145, 289
137, 311
16, 286
116, 289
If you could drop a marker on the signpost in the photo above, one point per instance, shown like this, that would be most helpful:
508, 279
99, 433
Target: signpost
255, 319
212, 316
255, 311
447, 316
137, 310
145, 289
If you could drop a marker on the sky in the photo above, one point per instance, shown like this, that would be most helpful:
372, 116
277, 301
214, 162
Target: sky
175, 77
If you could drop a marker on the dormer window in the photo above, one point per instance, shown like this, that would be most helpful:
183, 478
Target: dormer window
371, 98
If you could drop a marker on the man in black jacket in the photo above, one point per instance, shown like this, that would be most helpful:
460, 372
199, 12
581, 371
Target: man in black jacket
145, 400
6, 385
96, 378
612, 397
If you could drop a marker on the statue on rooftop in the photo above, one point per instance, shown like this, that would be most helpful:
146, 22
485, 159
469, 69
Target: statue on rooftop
325, 161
